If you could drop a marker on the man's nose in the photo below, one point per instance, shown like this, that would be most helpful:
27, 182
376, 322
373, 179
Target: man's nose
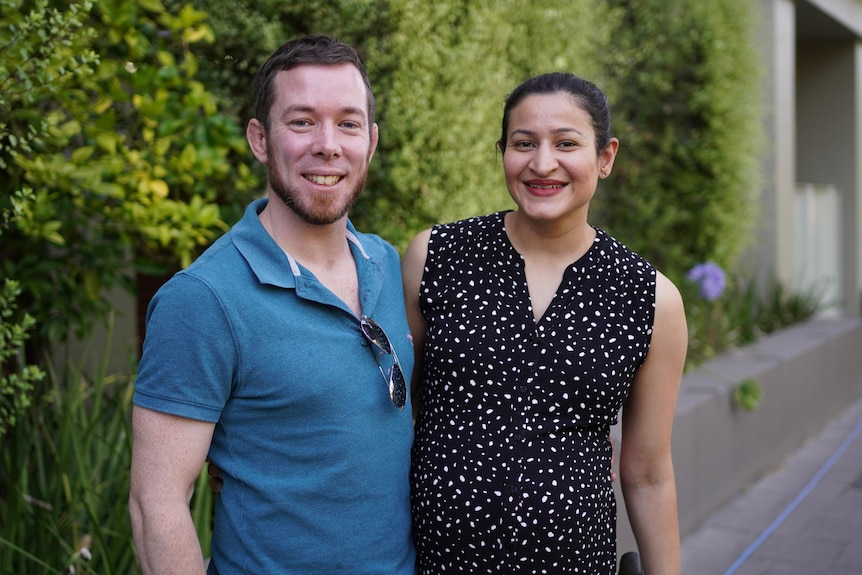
326, 142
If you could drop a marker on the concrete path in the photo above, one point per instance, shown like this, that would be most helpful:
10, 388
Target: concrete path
803, 518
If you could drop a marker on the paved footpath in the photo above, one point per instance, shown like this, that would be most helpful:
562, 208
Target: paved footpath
803, 518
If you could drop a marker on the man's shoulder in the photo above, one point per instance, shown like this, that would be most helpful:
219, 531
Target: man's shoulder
219, 261
221, 253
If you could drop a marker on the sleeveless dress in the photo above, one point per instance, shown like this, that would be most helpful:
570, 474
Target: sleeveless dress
511, 457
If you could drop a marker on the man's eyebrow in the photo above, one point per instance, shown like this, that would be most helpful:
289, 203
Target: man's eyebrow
352, 110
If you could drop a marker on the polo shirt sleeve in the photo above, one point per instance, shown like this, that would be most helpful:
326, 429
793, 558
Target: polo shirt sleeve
189, 356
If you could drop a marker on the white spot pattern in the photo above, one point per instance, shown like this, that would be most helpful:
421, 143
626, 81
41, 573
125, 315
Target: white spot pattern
511, 460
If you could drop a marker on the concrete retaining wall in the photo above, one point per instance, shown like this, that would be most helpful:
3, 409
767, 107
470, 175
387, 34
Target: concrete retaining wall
808, 374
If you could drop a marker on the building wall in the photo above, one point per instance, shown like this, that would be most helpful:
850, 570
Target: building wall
847, 12
812, 91
771, 254
853, 238
827, 145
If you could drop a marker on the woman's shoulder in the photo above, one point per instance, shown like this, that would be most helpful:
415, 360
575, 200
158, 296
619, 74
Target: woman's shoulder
468, 232
623, 257
471, 224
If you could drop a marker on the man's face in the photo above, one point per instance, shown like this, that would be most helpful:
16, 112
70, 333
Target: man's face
318, 145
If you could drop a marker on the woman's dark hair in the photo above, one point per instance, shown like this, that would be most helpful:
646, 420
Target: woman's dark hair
314, 49
590, 97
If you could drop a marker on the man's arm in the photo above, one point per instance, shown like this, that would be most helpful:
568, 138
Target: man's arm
167, 455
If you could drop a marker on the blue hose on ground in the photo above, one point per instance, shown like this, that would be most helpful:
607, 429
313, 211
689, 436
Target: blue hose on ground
797, 500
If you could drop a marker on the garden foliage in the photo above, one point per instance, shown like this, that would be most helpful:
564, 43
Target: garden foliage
441, 78
64, 477
17, 376
440, 72
122, 150
684, 81
129, 158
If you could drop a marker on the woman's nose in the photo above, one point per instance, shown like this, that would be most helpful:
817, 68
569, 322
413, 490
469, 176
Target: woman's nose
544, 161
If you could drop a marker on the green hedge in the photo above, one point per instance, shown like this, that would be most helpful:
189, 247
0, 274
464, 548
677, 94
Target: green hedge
684, 80
441, 77
157, 160
127, 155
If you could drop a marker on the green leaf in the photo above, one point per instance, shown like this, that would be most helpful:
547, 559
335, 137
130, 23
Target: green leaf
154, 6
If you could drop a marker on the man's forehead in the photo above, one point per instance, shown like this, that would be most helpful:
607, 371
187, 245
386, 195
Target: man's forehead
320, 73
340, 85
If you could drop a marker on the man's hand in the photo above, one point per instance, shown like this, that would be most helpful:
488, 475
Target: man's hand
216, 480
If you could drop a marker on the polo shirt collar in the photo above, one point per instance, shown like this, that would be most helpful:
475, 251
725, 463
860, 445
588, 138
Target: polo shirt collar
265, 258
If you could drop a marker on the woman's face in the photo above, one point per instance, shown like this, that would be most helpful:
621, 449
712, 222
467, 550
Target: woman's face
550, 161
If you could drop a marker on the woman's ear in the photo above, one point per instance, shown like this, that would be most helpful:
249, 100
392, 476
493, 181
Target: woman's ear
607, 157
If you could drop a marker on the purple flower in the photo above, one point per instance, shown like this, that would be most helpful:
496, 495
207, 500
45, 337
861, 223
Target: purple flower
710, 278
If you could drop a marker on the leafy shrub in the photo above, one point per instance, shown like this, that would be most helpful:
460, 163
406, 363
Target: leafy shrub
16, 375
125, 150
747, 394
684, 81
64, 478
740, 313
441, 75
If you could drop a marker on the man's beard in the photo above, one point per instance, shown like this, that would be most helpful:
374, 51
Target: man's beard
316, 209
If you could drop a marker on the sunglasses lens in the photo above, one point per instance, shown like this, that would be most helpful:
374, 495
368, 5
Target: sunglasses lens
398, 387
395, 378
372, 330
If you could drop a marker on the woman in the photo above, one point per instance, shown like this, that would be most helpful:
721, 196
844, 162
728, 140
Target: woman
532, 329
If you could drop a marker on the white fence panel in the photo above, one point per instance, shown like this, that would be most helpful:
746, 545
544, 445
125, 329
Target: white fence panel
818, 242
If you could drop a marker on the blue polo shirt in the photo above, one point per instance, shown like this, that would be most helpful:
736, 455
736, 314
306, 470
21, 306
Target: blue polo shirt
315, 457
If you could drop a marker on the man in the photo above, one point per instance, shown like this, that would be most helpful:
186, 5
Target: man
266, 356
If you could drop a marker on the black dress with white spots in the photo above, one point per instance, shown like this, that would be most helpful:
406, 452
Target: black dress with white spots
511, 460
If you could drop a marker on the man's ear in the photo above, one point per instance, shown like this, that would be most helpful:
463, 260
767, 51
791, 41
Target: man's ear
375, 137
256, 136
